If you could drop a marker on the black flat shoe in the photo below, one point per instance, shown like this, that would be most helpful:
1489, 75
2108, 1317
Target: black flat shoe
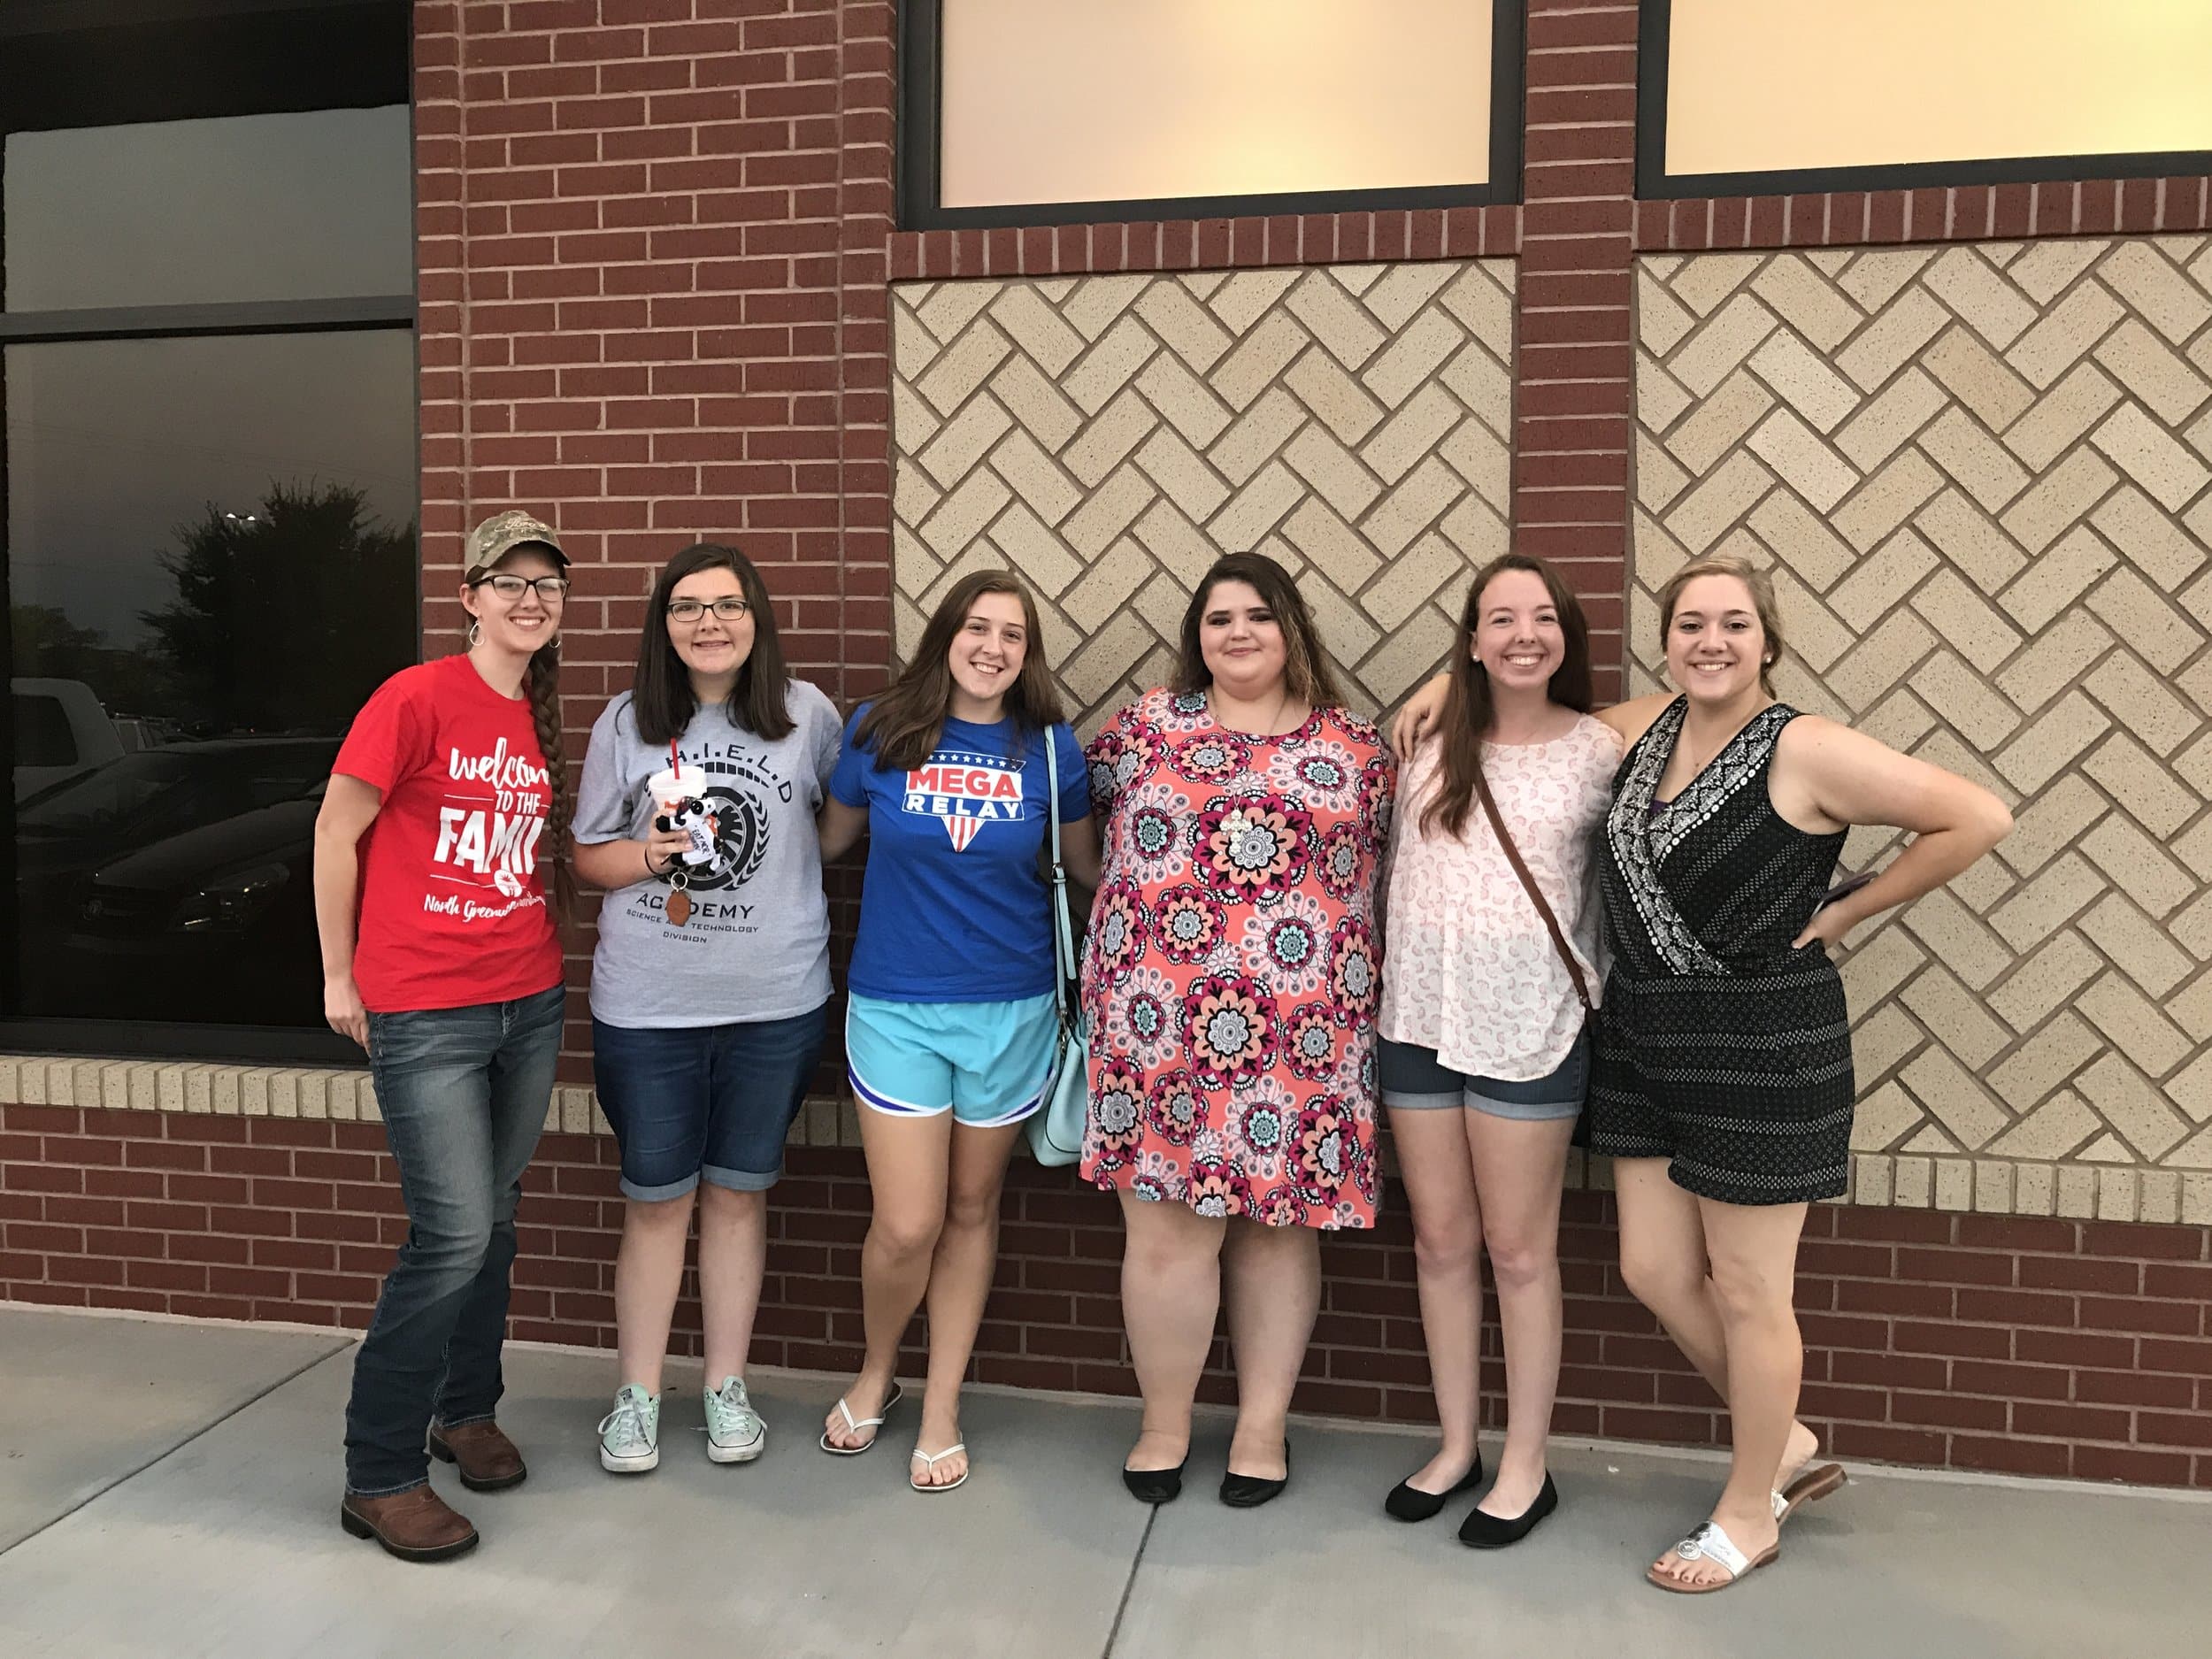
1249, 1492
1480, 1531
1156, 1485
1408, 1503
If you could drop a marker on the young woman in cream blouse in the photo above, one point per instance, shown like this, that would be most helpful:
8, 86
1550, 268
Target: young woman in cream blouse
1483, 1056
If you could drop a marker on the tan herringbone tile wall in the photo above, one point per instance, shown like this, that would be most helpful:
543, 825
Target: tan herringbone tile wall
1108, 436
1980, 475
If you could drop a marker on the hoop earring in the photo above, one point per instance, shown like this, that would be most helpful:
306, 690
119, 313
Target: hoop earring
475, 633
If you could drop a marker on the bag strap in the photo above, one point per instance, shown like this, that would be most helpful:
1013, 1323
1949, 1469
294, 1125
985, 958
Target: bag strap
1528, 883
1063, 924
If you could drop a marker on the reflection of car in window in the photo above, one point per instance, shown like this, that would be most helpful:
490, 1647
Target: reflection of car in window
61, 731
175, 878
158, 792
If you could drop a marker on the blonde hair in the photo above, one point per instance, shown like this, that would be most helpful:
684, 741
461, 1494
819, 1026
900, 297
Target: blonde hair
1756, 581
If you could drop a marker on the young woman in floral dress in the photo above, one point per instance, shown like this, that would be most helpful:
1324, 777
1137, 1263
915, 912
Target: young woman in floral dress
1231, 976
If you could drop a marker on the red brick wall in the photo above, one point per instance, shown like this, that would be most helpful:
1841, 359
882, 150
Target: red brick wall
652, 262
655, 237
1571, 437
652, 243
1209, 244
2028, 1346
2072, 207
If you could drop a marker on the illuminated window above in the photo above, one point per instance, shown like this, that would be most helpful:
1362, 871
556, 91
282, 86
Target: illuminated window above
1750, 96
1045, 110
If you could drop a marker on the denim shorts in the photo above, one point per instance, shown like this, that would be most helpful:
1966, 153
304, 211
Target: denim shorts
704, 1101
1415, 1078
987, 1063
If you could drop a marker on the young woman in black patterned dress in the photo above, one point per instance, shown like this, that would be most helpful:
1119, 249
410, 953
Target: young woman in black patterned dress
1723, 1086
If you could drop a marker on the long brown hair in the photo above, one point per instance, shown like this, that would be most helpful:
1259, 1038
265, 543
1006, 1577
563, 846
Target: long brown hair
903, 725
661, 695
541, 685
1756, 582
1468, 710
1306, 671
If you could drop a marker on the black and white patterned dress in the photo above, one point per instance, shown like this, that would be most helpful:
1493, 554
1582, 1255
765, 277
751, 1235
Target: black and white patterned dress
1721, 1047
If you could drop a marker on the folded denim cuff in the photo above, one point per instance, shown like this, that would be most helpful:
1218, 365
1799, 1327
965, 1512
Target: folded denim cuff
353, 1491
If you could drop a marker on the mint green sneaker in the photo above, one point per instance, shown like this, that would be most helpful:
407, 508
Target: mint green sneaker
735, 1434
629, 1435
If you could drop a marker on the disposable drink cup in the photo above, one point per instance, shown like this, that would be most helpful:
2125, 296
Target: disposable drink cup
673, 789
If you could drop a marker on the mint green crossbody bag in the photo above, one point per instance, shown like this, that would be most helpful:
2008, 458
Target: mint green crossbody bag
1055, 1129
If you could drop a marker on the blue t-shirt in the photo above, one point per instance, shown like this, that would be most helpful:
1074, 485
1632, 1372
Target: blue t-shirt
953, 907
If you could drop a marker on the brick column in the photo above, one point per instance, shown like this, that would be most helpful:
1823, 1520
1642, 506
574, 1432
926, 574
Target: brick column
867, 51
652, 238
1572, 417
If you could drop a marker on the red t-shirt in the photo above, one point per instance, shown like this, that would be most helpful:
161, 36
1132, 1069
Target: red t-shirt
453, 912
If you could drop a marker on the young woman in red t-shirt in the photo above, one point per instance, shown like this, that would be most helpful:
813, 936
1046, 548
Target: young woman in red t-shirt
441, 958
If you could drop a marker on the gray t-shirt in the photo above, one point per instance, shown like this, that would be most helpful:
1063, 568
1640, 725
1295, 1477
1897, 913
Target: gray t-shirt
756, 945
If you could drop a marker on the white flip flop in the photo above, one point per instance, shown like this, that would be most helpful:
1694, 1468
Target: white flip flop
1711, 1543
930, 1459
854, 1424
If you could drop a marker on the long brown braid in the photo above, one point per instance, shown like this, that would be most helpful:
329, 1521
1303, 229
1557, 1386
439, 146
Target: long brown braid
541, 684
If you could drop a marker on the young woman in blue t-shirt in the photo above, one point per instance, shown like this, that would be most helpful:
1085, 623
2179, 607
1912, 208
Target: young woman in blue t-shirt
948, 1028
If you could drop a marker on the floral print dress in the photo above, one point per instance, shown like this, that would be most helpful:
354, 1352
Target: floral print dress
1231, 971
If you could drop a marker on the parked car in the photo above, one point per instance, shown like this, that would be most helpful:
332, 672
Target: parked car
187, 821
218, 923
61, 732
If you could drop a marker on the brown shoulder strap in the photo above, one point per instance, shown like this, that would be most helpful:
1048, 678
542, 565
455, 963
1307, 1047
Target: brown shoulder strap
1528, 882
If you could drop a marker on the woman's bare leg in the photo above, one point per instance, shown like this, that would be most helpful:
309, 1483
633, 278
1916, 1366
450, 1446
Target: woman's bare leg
1271, 1277
908, 1160
959, 1285
1171, 1295
1437, 1162
649, 1271
1754, 1250
1520, 1170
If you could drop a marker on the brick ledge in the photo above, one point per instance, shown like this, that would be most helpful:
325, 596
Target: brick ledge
1963, 1184
313, 1094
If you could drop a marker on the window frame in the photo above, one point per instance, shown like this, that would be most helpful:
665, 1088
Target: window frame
1654, 182
30, 100
918, 142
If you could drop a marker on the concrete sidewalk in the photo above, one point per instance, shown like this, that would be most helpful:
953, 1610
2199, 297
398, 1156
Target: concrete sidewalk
169, 1489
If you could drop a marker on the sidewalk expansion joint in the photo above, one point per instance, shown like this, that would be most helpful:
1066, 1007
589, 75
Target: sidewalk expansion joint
129, 1475
1129, 1585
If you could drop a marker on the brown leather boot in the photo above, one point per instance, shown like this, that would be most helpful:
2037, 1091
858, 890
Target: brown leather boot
486, 1458
416, 1525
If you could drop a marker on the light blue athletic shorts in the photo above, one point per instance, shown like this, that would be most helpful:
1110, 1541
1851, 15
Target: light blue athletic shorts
987, 1064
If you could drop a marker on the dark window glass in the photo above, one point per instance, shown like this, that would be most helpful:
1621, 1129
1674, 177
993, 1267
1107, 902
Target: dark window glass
43, 741
211, 563
250, 207
208, 475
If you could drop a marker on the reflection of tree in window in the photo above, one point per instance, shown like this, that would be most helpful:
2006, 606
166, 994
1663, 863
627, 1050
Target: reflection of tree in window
287, 621
49, 645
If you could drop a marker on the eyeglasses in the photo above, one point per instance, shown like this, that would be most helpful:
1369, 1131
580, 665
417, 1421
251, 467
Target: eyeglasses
726, 608
551, 589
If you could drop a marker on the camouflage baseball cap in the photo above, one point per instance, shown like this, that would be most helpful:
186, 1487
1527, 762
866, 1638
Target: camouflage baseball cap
501, 534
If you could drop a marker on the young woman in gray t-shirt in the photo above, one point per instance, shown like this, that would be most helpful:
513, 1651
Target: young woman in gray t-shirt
712, 973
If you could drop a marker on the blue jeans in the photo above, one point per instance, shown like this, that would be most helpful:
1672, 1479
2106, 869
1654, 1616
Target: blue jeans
712, 1102
464, 1094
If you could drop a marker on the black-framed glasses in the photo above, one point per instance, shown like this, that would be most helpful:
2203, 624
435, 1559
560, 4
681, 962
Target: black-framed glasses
551, 589
729, 607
